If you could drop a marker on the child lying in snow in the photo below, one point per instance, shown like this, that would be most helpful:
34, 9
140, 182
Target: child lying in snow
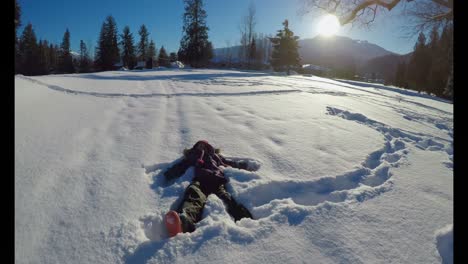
209, 179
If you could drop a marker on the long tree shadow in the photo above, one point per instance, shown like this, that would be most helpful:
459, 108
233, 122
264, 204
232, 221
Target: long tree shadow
396, 90
363, 88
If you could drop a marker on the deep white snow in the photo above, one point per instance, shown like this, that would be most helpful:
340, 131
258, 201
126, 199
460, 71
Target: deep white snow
346, 172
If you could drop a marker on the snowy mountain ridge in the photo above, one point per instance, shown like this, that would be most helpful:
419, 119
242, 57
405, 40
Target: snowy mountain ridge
327, 50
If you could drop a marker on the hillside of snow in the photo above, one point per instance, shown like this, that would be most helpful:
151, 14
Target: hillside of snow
332, 51
322, 48
346, 172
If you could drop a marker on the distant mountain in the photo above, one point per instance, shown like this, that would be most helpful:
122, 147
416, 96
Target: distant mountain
339, 51
75, 55
332, 52
384, 66
220, 54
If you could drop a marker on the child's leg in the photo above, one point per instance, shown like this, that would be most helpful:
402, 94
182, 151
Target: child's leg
236, 210
191, 208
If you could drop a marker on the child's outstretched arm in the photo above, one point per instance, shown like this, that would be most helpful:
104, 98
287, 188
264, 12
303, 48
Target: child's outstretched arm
238, 164
192, 157
177, 169
241, 163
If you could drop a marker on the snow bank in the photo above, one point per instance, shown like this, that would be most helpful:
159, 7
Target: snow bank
177, 65
444, 238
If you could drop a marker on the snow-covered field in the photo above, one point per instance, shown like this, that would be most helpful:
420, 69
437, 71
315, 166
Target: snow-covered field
349, 173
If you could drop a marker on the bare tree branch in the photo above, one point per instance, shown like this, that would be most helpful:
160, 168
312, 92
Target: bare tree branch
426, 13
447, 4
448, 15
337, 3
366, 4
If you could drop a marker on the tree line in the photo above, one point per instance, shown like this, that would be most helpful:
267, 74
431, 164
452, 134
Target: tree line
113, 50
430, 66
259, 51
35, 57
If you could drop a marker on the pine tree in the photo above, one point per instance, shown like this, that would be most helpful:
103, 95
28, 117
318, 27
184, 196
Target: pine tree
143, 44
28, 52
163, 58
448, 91
128, 49
207, 53
151, 55
17, 24
446, 47
52, 54
44, 62
85, 61
173, 57
66, 60
17, 16
419, 65
436, 80
107, 51
285, 49
195, 49
252, 52
400, 76
269, 49
259, 49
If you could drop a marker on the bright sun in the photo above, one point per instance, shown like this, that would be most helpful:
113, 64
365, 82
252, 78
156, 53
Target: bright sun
328, 25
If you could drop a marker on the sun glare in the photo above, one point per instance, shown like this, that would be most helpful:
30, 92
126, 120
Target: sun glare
328, 25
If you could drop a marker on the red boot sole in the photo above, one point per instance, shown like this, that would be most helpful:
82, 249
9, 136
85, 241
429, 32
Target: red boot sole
173, 223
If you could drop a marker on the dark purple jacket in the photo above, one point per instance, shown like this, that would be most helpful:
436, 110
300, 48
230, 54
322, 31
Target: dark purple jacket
207, 165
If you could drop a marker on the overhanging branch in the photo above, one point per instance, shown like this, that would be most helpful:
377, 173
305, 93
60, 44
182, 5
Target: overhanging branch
448, 4
366, 4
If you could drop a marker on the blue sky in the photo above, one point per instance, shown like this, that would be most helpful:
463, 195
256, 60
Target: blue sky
163, 18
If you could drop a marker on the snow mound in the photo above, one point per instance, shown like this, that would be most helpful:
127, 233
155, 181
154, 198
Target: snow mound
177, 65
153, 227
444, 237
124, 239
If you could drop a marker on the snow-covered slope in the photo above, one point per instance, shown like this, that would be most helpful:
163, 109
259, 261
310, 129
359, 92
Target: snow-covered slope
325, 51
75, 55
349, 173
329, 50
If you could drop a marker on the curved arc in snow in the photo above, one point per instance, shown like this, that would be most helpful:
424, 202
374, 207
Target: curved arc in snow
363, 89
61, 89
291, 201
370, 179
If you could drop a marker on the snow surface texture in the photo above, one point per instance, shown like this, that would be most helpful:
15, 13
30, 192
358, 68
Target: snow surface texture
341, 172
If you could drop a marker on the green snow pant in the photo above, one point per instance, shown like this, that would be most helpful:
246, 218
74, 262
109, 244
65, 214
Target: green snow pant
194, 201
